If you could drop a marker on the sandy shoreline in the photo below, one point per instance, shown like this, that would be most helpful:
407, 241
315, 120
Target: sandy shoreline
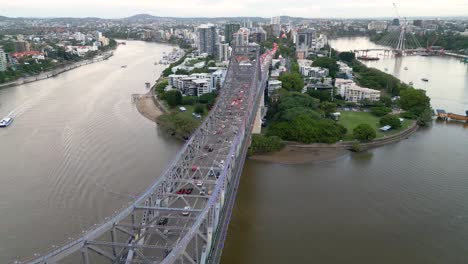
147, 107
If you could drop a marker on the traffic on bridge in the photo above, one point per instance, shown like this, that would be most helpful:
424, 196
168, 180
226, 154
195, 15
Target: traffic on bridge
184, 215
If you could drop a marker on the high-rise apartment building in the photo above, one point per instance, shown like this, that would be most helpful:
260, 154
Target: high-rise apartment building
229, 30
306, 40
3, 60
241, 38
276, 20
22, 46
207, 39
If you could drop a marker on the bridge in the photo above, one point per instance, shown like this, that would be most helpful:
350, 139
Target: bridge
184, 215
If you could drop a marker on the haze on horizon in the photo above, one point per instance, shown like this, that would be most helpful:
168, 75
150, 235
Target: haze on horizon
231, 8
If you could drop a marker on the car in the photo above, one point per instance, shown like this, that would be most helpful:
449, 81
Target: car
210, 149
194, 168
203, 191
181, 191
188, 191
163, 221
206, 147
199, 183
185, 213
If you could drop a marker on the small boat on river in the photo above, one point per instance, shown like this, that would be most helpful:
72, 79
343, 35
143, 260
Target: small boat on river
425, 79
6, 121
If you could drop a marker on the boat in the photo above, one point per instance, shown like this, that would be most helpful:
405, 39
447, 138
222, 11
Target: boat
406, 68
368, 58
123, 66
425, 79
147, 84
6, 121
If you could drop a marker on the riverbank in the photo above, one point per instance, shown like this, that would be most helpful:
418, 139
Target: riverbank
147, 107
55, 72
295, 153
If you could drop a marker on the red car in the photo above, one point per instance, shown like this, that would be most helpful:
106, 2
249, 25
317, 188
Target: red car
181, 191
194, 168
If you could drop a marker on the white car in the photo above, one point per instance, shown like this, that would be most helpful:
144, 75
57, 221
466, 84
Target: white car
199, 183
185, 213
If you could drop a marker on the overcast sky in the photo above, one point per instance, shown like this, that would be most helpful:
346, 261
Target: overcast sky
212, 8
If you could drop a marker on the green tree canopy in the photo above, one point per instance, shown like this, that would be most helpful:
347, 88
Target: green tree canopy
414, 100
347, 56
328, 108
380, 110
329, 63
364, 132
173, 98
291, 81
199, 109
390, 120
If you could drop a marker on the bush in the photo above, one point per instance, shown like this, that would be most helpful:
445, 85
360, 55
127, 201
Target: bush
173, 98
408, 115
199, 109
292, 81
263, 144
391, 120
364, 132
159, 89
189, 100
182, 126
380, 111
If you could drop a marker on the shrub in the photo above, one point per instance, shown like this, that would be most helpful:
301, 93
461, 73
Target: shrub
364, 132
380, 110
189, 100
391, 120
199, 109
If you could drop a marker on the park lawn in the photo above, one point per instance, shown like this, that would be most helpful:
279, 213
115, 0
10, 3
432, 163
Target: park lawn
350, 120
189, 111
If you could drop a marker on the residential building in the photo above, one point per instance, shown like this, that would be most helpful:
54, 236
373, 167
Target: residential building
229, 30
377, 25
306, 41
276, 30
21, 46
207, 39
345, 71
314, 72
351, 92
274, 85
258, 35
241, 38
224, 52
3, 61
276, 20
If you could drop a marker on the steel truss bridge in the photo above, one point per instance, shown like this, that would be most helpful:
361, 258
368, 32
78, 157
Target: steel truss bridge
184, 215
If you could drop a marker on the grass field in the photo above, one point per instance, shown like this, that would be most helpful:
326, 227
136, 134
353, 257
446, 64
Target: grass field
189, 111
351, 119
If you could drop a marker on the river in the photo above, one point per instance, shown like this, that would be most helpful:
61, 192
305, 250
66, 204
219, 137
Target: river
402, 203
77, 150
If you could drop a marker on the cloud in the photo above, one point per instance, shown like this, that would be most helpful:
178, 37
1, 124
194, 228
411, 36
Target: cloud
211, 8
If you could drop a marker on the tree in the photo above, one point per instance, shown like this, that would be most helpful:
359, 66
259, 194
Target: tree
173, 98
189, 100
263, 144
380, 110
328, 63
386, 100
323, 96
291, 81
414, 100
347, 56
390, 120
297, 100
199, 109
364, 132
328, 108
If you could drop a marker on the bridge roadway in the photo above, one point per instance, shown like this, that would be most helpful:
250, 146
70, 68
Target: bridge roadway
184, 215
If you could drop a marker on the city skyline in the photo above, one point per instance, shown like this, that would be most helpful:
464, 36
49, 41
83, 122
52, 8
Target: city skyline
246, 8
